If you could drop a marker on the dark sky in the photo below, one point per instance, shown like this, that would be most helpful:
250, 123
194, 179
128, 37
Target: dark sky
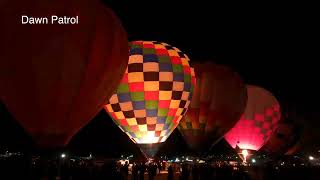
269, 45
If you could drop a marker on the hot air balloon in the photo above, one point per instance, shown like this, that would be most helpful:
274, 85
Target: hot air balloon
308, 132
153, 95
285, 136
218, 101
257, 122
55, 78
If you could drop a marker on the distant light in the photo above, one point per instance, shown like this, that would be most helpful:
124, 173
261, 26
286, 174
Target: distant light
201, 161
177, 160
311, 158
123, 162
63, 155
253, 161
282, 163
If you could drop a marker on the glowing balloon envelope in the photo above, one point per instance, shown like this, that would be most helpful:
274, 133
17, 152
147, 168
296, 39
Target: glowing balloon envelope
218, 101
153, 95
54, 78
258, 121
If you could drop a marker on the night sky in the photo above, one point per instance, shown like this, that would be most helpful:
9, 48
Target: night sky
271, 46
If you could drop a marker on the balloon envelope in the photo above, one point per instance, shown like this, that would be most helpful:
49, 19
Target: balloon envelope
154, 93
218, 101
54, 78
257, 122
285, 136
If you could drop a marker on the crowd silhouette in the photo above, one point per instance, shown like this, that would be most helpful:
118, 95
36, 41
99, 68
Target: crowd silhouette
20, 168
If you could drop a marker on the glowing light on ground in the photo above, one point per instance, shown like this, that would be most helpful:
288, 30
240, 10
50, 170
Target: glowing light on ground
245, 155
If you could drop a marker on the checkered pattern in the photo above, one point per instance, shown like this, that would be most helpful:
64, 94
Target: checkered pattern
188, 122
257, 123
154, 93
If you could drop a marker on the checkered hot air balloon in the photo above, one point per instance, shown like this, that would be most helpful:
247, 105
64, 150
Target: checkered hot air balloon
154, 94
257, 123
218, 101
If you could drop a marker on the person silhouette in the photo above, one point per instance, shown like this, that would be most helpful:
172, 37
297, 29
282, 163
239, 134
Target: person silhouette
142, 169
170, 173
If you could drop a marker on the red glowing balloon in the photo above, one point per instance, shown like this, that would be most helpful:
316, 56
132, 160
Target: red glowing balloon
258, 121
218, 101
55, 78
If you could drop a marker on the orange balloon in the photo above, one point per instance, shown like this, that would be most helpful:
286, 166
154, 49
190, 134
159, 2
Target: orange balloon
218, 101
55, 78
